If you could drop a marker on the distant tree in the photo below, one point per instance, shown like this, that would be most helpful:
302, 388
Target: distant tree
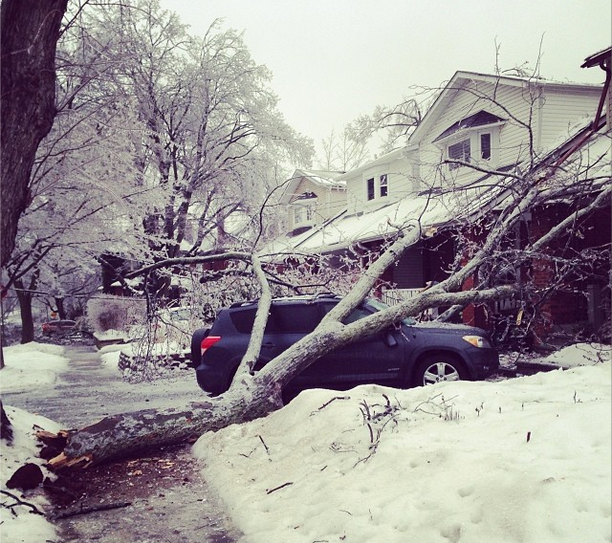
346, 151
214, 136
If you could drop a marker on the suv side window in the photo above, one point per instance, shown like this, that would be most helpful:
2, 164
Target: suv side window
243, 320
355, 315
290, 318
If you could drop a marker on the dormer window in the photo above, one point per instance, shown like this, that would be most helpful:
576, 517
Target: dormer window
485, 146
377, 187
371, 188
304, 209
471, 140
303, 214
459, 151
383, 185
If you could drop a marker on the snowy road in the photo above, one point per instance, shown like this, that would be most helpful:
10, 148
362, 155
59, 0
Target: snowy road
90, 390
174, 504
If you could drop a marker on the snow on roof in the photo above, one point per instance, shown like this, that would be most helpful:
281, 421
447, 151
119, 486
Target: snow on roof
430, 212
391, 156
321, 177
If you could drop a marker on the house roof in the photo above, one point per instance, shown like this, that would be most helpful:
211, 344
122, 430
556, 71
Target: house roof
482, 118
460, 78
321, 178
345, 230
597, 59
383, 159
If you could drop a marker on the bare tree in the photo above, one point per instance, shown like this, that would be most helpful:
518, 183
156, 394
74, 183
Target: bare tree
346, 151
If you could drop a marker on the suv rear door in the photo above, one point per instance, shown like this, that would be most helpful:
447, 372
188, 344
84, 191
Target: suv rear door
287, 324
375, 358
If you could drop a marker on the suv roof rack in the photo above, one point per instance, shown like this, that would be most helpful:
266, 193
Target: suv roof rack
311, 297
326, 295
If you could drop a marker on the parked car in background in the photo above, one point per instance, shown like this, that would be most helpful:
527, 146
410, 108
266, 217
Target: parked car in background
58, 327
404, 355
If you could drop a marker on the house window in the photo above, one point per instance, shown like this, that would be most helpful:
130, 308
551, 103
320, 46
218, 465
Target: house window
485, 146
370, 188
383, 185
303, 214
459, 151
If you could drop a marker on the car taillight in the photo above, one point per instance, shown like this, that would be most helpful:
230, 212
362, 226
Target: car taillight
208, 342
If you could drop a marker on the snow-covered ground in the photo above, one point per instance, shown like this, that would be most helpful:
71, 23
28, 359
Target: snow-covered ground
33, 365
524, 460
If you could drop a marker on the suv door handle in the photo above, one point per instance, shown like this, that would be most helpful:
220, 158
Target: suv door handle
269, 345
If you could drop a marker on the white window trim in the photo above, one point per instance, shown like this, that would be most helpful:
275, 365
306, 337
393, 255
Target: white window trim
304, 213
377, 188
473, 134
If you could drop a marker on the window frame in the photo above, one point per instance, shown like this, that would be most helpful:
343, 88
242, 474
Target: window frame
303, 214
383, 185
376, 187
370, 189
475, 138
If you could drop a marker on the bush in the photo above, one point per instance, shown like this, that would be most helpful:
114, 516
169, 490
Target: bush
107, 312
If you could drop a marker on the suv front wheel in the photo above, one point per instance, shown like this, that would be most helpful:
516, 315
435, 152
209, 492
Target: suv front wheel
439, 368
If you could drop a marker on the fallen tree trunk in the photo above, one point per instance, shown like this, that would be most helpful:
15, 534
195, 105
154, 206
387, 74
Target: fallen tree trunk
118, 436
251, 396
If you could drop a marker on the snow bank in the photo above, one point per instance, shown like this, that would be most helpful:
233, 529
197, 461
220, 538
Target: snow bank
24, 525
525, 460
31, 366
581, 354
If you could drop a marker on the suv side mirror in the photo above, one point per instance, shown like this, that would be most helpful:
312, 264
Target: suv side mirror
390, 338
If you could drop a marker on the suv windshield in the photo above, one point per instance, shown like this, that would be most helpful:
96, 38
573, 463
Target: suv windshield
377, 305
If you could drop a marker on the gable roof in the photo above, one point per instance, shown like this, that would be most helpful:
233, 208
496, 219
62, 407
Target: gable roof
458, 81
387, 158
598, 59
321, 178
482, 118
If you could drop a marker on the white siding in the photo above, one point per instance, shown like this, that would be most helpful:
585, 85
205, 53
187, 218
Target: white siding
535, 115
330, 201
400, 177
562, 110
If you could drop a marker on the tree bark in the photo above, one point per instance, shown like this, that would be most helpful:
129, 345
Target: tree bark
25, 308
29, 34
119, 435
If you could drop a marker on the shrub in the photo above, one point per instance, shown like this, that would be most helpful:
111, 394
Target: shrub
107, 312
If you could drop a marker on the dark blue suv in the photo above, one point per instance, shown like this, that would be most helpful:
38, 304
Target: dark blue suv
407, 354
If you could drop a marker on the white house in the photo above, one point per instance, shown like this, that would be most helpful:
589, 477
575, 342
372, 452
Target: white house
311, 198
497, 122
493, 121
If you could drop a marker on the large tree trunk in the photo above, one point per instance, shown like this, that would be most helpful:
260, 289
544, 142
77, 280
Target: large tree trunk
141, 431
25, 308
29, 34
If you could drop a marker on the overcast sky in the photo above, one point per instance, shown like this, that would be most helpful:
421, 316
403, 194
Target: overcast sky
333, 60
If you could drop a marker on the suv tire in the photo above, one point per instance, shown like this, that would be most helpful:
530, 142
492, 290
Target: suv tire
439, 368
